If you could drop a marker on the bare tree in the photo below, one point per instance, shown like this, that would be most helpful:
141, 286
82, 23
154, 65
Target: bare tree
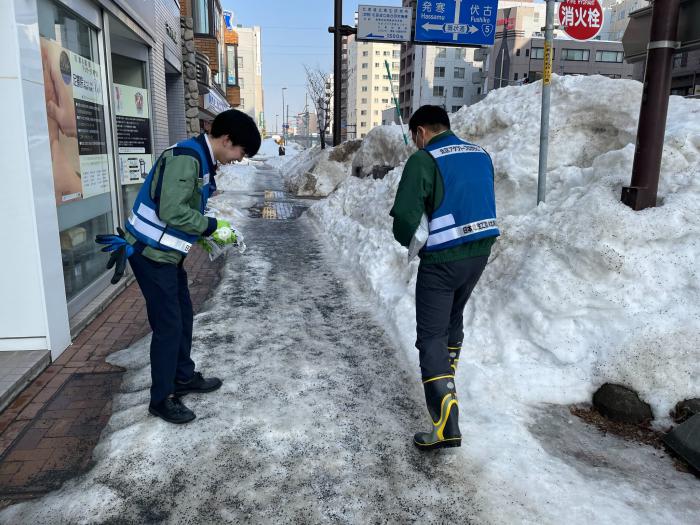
319, 89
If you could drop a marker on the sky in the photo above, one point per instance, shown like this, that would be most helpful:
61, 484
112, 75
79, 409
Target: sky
294, 33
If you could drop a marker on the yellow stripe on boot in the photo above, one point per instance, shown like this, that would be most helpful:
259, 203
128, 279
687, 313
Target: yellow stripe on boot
441, 399
454, 349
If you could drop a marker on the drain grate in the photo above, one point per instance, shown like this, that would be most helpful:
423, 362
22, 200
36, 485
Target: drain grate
278, 210
274, 195
277, 205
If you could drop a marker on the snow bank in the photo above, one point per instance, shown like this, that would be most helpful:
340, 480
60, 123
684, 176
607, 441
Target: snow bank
383, 146
579, 291
318, 172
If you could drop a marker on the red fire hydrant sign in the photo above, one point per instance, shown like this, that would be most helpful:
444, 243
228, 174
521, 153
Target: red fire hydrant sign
581, 19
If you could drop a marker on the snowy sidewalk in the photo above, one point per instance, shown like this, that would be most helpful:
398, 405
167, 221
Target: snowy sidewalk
313, 423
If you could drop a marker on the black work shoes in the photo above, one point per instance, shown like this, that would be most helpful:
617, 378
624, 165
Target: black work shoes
172, 410
198, 384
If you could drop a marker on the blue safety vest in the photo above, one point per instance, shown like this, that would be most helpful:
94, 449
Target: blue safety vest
468, 209
144, 223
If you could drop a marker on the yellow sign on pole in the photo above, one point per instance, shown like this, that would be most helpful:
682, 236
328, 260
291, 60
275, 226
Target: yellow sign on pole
547, 73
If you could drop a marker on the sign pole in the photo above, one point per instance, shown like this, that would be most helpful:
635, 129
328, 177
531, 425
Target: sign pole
546, 86
396, 101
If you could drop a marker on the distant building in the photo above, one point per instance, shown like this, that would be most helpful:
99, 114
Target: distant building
250, 73
369, 84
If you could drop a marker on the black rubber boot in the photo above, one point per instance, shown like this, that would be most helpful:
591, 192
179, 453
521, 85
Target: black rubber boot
441, 398
197, 385
172, 410
454, 350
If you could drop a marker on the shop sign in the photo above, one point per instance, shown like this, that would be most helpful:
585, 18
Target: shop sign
133, 133
581, 19
214, 103
228, 20
75, 114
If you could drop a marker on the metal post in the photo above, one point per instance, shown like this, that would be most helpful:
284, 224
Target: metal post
641, 193
284, 135
337, 59
544, 121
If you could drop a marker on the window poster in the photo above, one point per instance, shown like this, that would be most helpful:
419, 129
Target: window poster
133, 133
75, 111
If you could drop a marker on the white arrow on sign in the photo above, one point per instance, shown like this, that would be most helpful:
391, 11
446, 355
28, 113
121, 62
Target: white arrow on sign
455, 29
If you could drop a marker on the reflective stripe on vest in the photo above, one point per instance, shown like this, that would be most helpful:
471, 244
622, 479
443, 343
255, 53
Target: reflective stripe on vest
461, 231
144, 223
159, 236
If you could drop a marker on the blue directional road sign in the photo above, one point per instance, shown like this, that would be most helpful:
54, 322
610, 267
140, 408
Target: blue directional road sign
457, 22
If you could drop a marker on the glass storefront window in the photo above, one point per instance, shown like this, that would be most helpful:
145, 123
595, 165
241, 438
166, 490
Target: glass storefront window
132, 110
75, 106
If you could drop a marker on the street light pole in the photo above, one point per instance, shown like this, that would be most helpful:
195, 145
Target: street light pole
283, 121
339, 31
276, 129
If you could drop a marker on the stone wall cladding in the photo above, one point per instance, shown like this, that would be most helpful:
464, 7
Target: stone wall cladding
189, 77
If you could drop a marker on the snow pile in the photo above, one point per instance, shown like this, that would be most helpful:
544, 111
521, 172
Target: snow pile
579, 291
317, 172
383, 146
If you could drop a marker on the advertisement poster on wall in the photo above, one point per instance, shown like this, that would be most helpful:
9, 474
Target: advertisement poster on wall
75, 111
133, 133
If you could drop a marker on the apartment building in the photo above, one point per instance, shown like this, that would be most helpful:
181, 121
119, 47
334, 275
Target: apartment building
250, 73
369, 84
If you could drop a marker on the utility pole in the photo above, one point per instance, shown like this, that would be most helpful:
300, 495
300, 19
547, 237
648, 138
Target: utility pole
339, 31
641, 193
546, 88
284, 135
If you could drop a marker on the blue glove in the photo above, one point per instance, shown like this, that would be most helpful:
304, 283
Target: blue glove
120, 251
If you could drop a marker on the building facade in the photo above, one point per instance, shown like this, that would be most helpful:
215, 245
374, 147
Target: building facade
207, 37
435, 75
233, 90
250, 73
518, 52
95, 92
369, 84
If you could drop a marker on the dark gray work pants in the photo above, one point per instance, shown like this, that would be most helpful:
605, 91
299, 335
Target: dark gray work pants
442, 291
